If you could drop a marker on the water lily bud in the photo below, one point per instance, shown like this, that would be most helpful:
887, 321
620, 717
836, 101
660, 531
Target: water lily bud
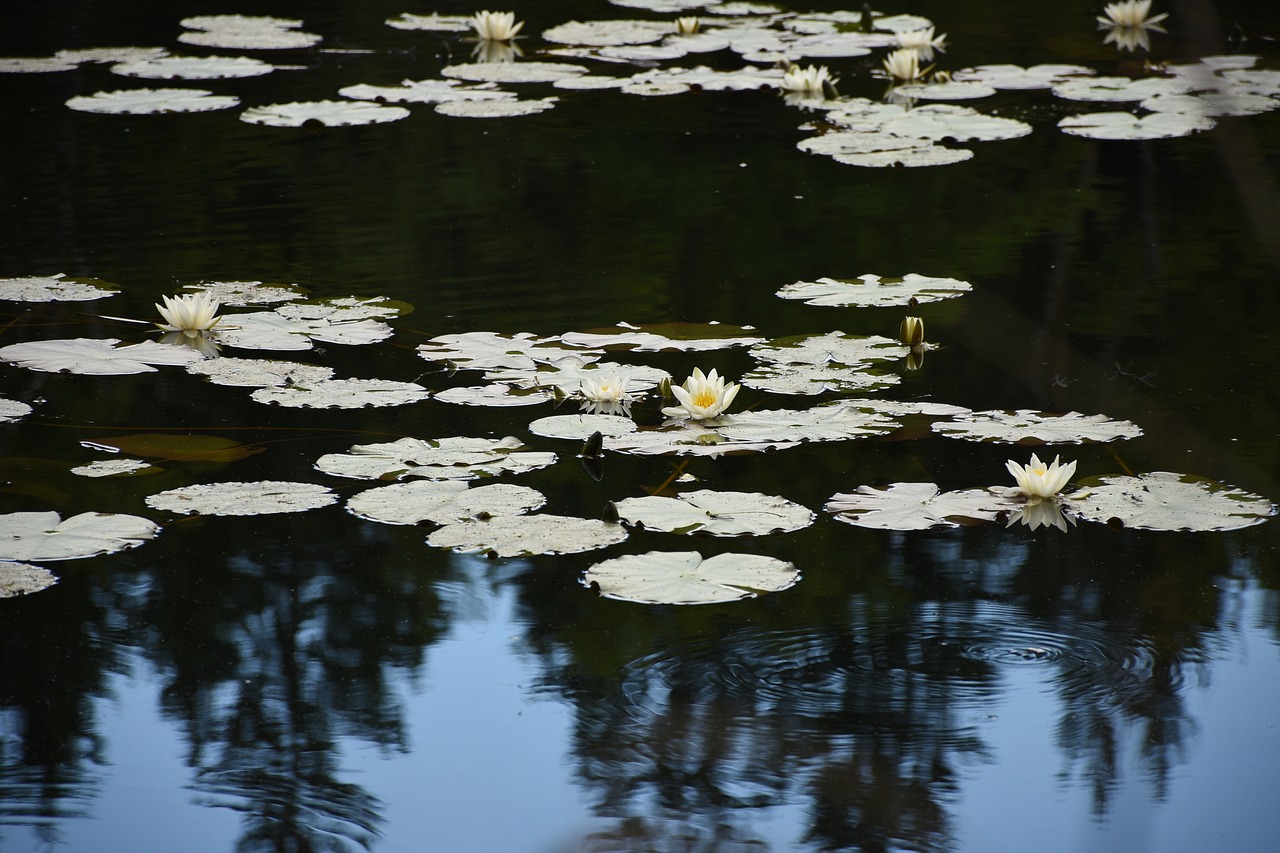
664, 387
911, 332
687, 26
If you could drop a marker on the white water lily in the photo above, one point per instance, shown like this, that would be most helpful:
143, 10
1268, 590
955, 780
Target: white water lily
190, 314
688, 25
496, 26
702, 397
1039, 480
812, 78
922, 42
1130, 13
903, 64
611, 389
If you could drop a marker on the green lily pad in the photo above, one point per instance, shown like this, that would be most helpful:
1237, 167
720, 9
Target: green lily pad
685, 577
176, 447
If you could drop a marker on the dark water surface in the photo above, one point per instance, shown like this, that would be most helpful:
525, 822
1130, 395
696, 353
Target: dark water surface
318, 682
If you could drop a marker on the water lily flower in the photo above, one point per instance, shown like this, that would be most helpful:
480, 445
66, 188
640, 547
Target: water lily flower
611, 389
903, 64
922, 42
1041, 514
911, 332
496, 26
1038, 480
1130, 13
687, 25
812, 79
702, 397
190, 314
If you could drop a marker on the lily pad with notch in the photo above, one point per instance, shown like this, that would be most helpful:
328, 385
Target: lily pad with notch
918, 506
442, 502
45, 536
97, 356
263, 497
528, 535
1025, 426
710, 513
874, 290
54, 288
452, 458
1162, 500
686, 577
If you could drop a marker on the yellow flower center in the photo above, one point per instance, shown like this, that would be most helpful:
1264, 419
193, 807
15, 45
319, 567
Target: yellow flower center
704, 399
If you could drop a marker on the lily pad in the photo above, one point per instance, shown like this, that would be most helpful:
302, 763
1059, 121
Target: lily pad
442, 502
1121, 125
272, 330
149, 101
23, 579
581, 427
97, 357
323, 114
454, 458
342, 394
667, 337
246, 32
498, 394
831, 422
711, 80
812, 379
176, 447
53, 288
492, 351
248, 292
495, 109
263, 497
684, 577
115, 468
918, 506
1112, 89
12, 410
873, 290
608, 33
425, 92
1017, 77
953, 90
711, 513
688, 438
258, 372
1028, 427
1166, 501
523, 536
569, 374
432, 23
831, 348
513, 72
193, 67
44, 536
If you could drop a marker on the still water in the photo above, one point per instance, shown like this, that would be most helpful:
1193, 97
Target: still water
314, 681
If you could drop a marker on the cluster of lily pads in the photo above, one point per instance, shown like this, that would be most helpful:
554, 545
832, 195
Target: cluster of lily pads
770, 42
427, 480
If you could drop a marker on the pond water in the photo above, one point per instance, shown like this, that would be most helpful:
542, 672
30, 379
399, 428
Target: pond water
319, 681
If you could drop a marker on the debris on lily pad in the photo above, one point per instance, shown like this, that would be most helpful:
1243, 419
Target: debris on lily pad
1166, 501
442, 502
342, 394
258, 372
98, 357
497, 394
873, 290
323, 114
193, 67
426, 92
53, 288
150, 101
1122, 125
710, 513
12, 410
23, 579
1029, 427
453, 458
115, 468
495, 109
685, 577
670, 337
918, 506
493, 351
246, 32
513, 72
528, 535
44, 536
242, 293
239, 498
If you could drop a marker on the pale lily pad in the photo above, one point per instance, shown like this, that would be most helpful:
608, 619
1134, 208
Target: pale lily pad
442, 502
1254, 81
499, 395
688, 438
1111, 89
432, 23
258, 372
243, 293
44, 536
110, 55
655, 90
492, 351
1120, 125
115, 468
581, 427
569, 375
1211, 104
711, 513
454, 458
193, 67
907, 158
148, 101
12, 410
811, 379
35, 65
513, 72
1166, 501
938, 122
1017, 77
245, 32
98, 357
23, 579
342, 394
831, 422
742, 79
523, 536
272, 330
345, 309
872, 290
954, 90
608, 33
323, 114
495, 109
237, 498
684, 577
833, 347
918, 506
670, 337
53, 288
425, 92
1028, 427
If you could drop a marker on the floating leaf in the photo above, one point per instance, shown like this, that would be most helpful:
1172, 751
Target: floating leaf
512, 72
1166, 501
176, 447
833, 347
342, 394
673, 337
684, 577
492, 351
432, 23
1211, 104
811, 379
246, 32
581, 427
1028, 427
426, 92
1117, 88
23, 579
237, 498
1017, 77
442, 502
711, 513
323, 114
917, 506
495, 395
12, 410
455, 458
607, 33
345, 309
742, 79
193, 67
53, 288
495, 109
44, 536
1118, 125
97, 357
688, 439
953, 90
830, 422
258, 372
115, 468
569, 375
35, 65
148, 101
272, 330
528, 535
872, 290
248, 292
